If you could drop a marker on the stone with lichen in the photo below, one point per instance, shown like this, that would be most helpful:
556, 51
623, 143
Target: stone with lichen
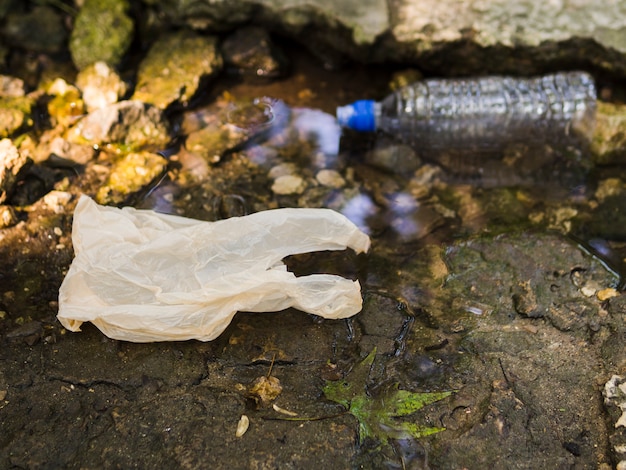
175, 67
102, 31
608, 145
131, 125
129, 175
442, 36
101, 85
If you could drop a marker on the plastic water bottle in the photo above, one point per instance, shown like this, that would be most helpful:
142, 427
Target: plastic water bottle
482, 115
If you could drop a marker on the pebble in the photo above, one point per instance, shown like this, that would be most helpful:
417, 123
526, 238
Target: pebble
57, 201
101, 86
283, 169
330, 179
288, 184
11, 87
605, 294
8, 218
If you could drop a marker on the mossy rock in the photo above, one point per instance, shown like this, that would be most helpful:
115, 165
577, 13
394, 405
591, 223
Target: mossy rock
174, 68
103, 32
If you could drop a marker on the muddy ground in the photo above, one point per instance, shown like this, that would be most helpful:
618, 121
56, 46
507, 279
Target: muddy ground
492, 301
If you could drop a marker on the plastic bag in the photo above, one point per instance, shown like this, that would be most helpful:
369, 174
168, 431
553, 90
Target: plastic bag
143, 276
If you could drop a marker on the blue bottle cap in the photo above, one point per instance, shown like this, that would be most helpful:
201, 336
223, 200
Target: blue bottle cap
359, 116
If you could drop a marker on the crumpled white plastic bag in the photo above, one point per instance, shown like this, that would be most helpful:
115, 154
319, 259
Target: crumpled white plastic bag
143, 276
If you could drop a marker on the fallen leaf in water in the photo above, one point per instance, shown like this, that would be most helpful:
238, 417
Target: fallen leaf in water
377, 415
264, 390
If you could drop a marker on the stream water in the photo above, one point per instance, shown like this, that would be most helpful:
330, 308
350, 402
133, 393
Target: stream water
497, 286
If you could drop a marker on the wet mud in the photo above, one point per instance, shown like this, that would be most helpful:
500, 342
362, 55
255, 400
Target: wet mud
491, 292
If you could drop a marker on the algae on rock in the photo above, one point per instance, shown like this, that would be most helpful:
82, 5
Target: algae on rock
129, 175
174, 68
609, 141
103, 31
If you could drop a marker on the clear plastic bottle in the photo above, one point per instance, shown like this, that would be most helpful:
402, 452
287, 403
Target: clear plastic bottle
482, 115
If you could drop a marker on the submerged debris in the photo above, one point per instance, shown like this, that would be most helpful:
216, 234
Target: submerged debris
250, 51
229, 125
143, 276
377, 414
265, 390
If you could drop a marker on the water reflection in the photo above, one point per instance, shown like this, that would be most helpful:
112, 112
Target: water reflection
372, 187
359, 209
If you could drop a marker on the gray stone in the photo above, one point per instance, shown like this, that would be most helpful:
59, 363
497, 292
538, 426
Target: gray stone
40, 29
576, 31
400, 159
442, 36
365, 20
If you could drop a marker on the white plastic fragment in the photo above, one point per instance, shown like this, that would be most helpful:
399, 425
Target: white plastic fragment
143, 276
283, 411
242, 426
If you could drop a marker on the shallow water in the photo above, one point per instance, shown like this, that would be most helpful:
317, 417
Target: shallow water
473, 285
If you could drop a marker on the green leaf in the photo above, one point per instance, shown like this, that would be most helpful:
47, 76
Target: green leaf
403, 402
377, 415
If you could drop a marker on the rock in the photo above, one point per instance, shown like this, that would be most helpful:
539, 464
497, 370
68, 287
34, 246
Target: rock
250, 51
129, 123
400, 159
364, 20
41, 29
12, 167
129, 175
102, 31
80, 154
11, 87
14, 114
8, 217
288, 184
15, 107
614, 393
536, 277
282, 169
175, 67
608, 145
55, 150
101, 85
228, 125
66, 105
552, 31
445, 37
330, 178
57, 201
